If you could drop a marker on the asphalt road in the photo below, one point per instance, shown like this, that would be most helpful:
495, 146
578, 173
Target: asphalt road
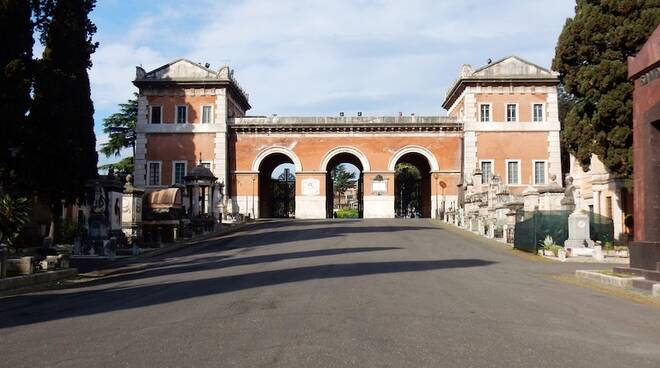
371, 293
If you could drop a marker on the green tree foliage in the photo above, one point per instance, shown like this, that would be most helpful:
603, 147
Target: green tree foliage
591, 56
15, 84
14, 215
62, 116
120, 128
343, 180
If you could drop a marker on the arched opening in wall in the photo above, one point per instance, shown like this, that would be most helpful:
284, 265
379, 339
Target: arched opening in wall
344, 187
277, 187
412, 186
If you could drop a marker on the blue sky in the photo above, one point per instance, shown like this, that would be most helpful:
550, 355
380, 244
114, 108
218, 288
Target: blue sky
321, 57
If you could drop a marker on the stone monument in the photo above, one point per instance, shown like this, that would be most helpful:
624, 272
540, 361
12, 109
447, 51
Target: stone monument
568, 202
131, 216
644, 71
578, 231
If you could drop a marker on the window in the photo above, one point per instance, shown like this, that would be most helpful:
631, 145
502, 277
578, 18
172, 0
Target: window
511, 112
486, 171
178, 172
513, 172
484, 112
538, 112
154, 173
156, 116
181, 114
207, 114
539, 172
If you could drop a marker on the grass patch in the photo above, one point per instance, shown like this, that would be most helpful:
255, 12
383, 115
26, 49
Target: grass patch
632, 295
615, 274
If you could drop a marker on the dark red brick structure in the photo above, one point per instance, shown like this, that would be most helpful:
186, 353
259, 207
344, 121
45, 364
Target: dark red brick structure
644, 70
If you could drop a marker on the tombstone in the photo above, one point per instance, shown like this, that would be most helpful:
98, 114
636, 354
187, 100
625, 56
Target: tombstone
104, 221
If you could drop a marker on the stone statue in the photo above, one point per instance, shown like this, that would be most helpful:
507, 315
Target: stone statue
568, 202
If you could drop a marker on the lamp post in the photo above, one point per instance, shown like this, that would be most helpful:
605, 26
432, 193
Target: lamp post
436, 176
443, 185
253, 180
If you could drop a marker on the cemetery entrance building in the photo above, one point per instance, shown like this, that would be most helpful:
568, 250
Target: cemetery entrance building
501, 118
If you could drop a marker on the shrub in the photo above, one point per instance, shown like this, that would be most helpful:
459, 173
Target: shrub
347, 213
14, 215
549, 244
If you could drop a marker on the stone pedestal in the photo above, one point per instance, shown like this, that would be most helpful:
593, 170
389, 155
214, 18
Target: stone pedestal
578, 231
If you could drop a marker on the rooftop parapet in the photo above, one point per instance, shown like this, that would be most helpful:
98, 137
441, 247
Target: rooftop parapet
359, 123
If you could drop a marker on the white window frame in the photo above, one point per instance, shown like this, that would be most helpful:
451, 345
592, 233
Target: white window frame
176, 112
185, 169
201, 115
546, 176
519, 173
542, 112
485, 180
161, 113
160, 173
506, 112
490, 112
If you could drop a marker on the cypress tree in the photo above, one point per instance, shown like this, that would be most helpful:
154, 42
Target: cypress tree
64, 143
591, 57
15, 82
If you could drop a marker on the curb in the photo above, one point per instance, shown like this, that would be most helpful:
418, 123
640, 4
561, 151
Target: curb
118, 268
621, 282
34, 279
201, 239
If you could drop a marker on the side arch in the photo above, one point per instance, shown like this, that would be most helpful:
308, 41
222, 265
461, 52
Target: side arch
433, 162
345, 149
281, 150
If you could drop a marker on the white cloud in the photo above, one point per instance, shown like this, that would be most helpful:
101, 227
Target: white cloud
321, 57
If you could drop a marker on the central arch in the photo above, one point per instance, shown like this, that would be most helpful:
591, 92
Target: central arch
276, 168
353, 163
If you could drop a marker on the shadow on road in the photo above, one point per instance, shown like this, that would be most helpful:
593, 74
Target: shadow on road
294, 231
28, 309
223, 261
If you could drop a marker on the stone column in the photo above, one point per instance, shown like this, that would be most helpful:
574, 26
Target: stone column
596, 195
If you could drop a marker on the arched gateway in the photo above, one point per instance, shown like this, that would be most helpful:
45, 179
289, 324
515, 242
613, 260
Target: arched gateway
402, 166
316, 145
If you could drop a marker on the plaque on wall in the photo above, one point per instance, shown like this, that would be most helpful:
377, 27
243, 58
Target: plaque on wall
310, 187
379, 187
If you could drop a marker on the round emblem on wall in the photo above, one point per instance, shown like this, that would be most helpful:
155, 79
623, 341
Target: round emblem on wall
581, 224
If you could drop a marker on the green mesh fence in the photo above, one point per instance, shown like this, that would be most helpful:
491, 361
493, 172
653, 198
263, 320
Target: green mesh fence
532, 227
601, 228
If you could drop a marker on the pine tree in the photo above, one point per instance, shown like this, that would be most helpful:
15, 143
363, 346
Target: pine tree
15, 84
591, 57
64, 143
120, 128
